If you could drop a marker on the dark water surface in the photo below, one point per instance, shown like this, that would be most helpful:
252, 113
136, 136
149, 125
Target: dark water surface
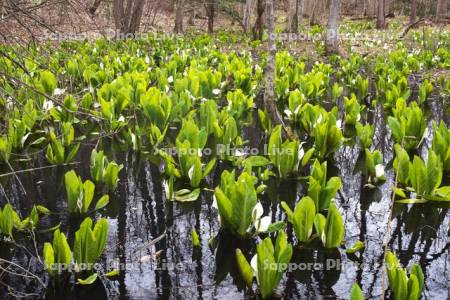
171, 268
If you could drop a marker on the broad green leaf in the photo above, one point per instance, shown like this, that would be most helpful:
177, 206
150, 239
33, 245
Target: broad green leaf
113, 273
334, 228
287, 209
90, 280
100, 234
303, 219
49, 257
357, 246
319, 225
102, 202
188, 196
356, 293
88, 195
195, 238
244, 268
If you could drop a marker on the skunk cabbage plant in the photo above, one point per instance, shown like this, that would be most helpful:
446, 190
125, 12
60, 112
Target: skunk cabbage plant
402, 286
238, 206
80, 194
103, 170
268, 265
321, 190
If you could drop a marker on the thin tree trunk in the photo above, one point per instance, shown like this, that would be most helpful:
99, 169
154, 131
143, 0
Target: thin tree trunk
210, 10
381, 22
258, 29
136, 16
332, 39
295, 11
118, 13
301, 8
191, 17
248, 12
290, 14
269, 94
178, 16
413, 16
95, 6
441, 10
312, 19
128, 15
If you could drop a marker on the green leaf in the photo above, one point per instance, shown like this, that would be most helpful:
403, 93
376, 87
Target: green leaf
274, 227
102, 202
244, 267
111, 175
42, 209
74, 190
268, 257
90, 280
47, 82
417, 271
396, 129
413, 288
356, 293
401, 164
433, 173
443, 193
7, 217
412, 201
357, 246
319, 225
63, 254
334, 228
397, 277
187, 195
113, 273
100, 234
49, 257
307, 157
417, 175
256, 161
288, 211
303, 219
195, 238
88, 195
209, 167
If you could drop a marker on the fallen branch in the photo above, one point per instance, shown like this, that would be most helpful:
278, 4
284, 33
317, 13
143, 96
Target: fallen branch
36, 169
410, 26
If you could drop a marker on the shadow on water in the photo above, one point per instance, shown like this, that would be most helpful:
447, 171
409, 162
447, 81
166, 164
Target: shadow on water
170, 268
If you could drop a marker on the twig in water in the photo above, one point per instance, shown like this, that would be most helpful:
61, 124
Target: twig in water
37, 169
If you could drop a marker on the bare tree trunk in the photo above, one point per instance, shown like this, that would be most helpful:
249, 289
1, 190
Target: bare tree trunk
381, 21
178, 16
258, 30
441, 10
136, 16
301, 8
127, 15
248, 12
118, 13
312, 17
2, 9
191, 17
210, 11
413, 16
269, 94
332, 39
295, 11
94, 6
